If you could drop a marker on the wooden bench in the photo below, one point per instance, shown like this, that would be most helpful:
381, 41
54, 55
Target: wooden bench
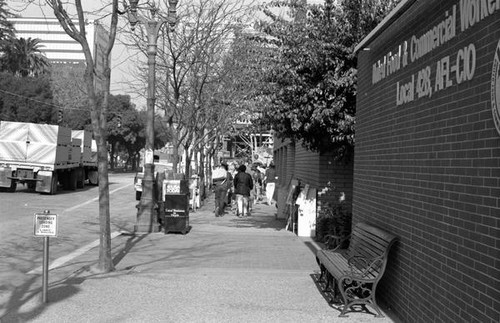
356, 271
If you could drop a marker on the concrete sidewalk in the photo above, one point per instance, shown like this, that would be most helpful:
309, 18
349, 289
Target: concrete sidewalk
225, 269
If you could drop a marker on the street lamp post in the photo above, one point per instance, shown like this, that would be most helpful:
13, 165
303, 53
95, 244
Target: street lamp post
147, 220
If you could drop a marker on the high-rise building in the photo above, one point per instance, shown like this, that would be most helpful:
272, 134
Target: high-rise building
59, 47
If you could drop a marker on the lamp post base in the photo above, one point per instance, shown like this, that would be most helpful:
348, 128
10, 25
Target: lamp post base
147, 220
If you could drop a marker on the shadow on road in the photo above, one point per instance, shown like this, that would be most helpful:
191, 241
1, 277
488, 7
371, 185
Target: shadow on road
24, 301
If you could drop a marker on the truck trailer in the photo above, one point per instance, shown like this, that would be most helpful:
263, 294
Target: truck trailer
45, 157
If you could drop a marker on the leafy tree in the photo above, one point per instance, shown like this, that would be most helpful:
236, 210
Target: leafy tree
6, 27
26, 99
313, 80
134, 136
126, 130
68, 86
251, 60
23, 57
119, 106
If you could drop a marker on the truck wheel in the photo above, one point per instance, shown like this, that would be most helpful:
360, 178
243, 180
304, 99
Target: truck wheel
93, 177
138, 196
80, 178
64, 178
31, 185
53, 184
13, 186
72, 179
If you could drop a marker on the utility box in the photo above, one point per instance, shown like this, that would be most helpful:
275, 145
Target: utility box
176, 218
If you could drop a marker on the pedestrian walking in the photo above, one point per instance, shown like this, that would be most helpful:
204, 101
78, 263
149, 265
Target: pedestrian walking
221, 180
243, 184
257, 184
270, 179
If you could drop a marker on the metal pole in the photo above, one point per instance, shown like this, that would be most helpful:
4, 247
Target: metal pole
147, 220
147, 213
45, 275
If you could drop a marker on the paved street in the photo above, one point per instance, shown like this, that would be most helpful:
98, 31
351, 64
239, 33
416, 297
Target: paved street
78, 225
223, 270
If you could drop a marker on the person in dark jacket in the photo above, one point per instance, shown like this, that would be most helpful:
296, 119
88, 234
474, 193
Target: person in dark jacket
243, 184
270, 180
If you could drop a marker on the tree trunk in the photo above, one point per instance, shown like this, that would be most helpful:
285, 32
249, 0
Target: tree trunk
112, 157
196, 161
175, 150
201, 174
98, 112
105, 263
187, 166
105, 259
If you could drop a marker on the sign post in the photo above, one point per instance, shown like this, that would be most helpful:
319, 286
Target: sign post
45, 225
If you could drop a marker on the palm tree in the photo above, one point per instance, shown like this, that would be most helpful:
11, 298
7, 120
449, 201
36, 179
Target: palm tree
23, 57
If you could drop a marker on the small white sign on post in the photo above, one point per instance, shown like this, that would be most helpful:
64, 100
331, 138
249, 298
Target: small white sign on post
149, 156
45, 225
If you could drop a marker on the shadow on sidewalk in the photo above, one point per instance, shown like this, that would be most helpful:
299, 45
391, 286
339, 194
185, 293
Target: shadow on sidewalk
25, 301
262, 216
336, 303
131, 242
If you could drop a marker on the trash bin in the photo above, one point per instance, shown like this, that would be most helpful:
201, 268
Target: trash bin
176, 206
176, 213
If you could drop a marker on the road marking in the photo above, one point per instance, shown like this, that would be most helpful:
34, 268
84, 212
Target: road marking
94, 199
62, 260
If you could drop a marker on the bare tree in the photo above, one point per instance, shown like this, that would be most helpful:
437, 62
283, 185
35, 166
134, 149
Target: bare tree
76, 29
191, 72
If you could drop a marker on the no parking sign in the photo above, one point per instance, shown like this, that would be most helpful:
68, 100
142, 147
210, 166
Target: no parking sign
45, 225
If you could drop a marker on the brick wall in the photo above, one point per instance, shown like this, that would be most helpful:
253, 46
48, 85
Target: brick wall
320, 171
429, 170
307, 166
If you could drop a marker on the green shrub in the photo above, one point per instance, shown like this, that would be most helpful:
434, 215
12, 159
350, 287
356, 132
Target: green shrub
336, 220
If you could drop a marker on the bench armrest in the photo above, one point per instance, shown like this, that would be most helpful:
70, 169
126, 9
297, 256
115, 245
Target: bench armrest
365, 268
333, 242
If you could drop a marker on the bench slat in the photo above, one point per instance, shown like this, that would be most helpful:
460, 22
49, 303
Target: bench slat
374, 241
384, 235
335, 263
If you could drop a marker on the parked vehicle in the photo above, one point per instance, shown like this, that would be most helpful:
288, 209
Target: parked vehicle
46, 156
159, 167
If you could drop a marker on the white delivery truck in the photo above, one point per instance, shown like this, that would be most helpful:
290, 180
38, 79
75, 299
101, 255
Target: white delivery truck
44, 157
88, 156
